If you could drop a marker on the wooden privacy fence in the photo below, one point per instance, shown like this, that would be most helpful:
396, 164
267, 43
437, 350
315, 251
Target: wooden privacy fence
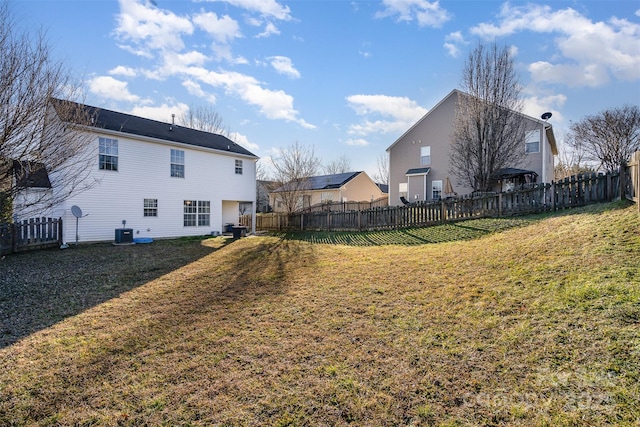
631, 179
567, 193
35, 233
347, 206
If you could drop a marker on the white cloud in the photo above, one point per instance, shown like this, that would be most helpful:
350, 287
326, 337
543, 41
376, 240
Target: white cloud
150, 28
267, 8
396, 114
121, 70
242, 140
269, 30
453, 41
358, 142
223, 29
155, 33
273, 104
592, 52
111, 88
195, 89
572, 75
535, 105
161, 113
426, 13
283, 65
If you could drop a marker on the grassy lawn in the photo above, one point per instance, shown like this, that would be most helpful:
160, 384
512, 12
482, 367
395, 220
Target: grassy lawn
537, 324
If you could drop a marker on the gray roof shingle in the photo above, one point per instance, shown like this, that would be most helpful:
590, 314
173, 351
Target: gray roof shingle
127, 123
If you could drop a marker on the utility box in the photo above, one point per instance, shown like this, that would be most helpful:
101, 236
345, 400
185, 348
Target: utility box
124, 235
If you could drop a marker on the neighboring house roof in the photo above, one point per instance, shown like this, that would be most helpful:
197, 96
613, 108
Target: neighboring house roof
29, 174
383, 187
548, 128
325, 182
134, 125
418, 171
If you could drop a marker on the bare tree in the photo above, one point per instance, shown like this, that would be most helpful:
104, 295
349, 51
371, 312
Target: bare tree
571, 159
43, 160
292, 169
341, 165
203, 118
489, 129
609, 137
381, 175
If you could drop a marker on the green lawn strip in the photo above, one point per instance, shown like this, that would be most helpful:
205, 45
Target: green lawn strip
536, 325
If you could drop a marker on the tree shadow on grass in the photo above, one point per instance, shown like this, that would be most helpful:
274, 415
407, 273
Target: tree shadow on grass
41, 288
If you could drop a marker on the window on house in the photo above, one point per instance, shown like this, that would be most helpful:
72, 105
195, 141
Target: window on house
150, 207
436, 190
204, 212
326, 197
238, 167
532, 141
190, 213
108, 154
425, 156
197, 213
402, 189
177, 163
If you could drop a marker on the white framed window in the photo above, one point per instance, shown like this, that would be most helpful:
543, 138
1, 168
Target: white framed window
197, 213
238, 167
532, 141
204, 212
425, 156
150, 207
177, 163
108, 154
436, 190
326, 196
190, 213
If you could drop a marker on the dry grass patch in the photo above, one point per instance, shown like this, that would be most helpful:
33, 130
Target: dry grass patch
533, 326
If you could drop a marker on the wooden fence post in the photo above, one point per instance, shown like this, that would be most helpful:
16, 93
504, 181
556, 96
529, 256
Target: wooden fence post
623, 181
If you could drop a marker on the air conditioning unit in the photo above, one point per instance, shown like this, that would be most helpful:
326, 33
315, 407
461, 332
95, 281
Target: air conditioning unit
124, 235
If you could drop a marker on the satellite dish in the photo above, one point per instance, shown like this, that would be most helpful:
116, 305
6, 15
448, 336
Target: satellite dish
76, 211
546, 116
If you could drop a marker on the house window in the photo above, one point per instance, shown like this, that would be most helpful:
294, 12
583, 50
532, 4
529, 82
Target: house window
204, 212
425, 156
436, 190
108, 154
190, 213
197, 213
238, 167
532, 141
326, 197
177, 163
150, 207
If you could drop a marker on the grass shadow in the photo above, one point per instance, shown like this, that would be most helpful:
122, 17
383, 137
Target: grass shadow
41, 288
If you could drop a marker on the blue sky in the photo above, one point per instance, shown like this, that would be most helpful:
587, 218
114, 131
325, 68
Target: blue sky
345, 77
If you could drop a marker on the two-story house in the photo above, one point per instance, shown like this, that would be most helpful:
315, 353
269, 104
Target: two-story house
158, 179
419, 166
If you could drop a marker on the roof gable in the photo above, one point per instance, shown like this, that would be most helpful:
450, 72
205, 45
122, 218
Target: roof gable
139, 126
548, 127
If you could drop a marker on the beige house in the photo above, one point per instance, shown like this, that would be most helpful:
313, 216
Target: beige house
419, 167
342, 187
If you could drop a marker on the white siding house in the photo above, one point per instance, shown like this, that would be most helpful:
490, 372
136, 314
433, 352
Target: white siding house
162, 179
